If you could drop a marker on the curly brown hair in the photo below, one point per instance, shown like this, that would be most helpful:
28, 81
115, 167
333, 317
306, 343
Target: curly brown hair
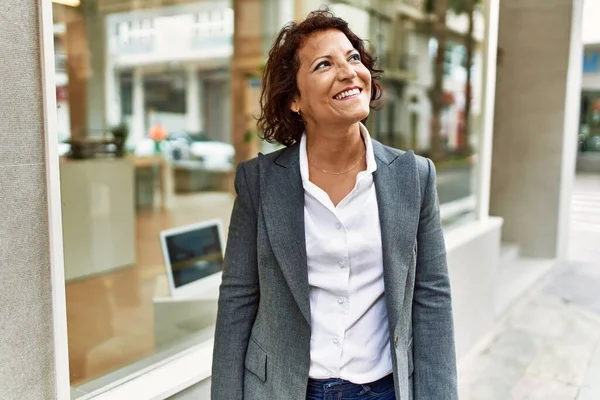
277, 122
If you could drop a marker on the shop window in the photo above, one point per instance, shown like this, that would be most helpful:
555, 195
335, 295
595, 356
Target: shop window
146, 180
147, 126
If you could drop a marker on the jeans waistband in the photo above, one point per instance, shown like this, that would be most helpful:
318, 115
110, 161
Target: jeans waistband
341, 384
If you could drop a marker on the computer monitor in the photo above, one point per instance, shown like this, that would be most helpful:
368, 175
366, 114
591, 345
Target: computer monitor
193, 256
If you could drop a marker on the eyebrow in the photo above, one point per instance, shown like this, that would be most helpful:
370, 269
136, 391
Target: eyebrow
327, 56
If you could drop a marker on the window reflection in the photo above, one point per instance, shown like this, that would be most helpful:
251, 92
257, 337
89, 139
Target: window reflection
144, 115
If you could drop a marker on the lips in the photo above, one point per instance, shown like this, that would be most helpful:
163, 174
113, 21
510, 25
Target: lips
352, 91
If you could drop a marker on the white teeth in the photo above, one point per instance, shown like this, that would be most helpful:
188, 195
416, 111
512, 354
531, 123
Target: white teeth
347, 93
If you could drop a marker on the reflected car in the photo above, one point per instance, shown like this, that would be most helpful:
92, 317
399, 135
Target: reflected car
592, 143
214, 155
180, 146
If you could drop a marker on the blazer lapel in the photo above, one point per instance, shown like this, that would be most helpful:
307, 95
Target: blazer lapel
282, 199
397, 187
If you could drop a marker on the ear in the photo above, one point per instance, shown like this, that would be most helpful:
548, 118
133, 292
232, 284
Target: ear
294, 106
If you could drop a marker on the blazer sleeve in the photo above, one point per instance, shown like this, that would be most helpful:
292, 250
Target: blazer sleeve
238, 298
433, 332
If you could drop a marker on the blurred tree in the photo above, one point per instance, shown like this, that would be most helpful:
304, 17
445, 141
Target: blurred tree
467, 7
440, 8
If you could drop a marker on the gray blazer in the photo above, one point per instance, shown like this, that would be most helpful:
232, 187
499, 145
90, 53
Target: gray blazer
262, 339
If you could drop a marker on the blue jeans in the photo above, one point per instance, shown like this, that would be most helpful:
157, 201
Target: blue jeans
339, 389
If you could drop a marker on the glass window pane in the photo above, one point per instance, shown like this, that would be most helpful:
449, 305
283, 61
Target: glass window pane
150, 135
144, 113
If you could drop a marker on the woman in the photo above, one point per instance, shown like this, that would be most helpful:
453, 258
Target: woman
335, 283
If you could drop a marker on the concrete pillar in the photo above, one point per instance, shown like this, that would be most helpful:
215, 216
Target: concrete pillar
138, 129
96, 103
86, 53
193, 99
535, 125
33, 349
78, 71
247, 61
275, 14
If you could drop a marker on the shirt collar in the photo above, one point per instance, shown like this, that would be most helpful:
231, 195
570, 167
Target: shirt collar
370, 155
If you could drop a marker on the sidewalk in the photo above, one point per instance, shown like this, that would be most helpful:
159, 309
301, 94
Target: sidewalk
547, 346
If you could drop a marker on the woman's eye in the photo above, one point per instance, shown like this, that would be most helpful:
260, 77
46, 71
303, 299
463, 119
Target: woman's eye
355, 57
322, 64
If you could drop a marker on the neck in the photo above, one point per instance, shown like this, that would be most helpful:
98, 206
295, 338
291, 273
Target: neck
334, 147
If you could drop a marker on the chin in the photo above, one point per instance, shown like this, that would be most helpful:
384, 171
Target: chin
355, 118
363, 114
350, 116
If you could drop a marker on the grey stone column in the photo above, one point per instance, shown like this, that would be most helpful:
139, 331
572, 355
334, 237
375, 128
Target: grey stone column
26, 323
535, 124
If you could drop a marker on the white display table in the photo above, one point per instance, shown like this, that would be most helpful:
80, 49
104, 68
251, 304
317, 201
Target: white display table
98, 215
176, 319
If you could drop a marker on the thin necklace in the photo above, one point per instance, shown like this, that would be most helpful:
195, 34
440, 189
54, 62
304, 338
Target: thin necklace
344, 171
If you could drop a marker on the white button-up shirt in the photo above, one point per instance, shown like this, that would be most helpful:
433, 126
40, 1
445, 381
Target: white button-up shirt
349, 335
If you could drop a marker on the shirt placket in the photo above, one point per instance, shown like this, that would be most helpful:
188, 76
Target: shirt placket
342, 296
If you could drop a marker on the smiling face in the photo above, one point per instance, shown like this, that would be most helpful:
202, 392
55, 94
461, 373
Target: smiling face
334, 85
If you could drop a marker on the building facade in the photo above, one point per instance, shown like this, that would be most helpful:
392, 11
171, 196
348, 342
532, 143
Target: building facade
124, 119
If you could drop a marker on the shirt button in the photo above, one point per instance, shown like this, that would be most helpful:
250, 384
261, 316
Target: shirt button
338, 226
341, 300
341, 264
335, 340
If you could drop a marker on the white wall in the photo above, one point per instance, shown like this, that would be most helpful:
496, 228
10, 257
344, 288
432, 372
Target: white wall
473, 258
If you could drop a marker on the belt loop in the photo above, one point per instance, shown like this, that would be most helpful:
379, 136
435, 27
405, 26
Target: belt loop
365, 389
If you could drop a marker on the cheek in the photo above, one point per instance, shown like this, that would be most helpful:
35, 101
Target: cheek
365, 76
317, 91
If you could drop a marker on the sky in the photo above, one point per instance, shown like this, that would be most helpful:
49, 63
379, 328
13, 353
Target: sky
591, 21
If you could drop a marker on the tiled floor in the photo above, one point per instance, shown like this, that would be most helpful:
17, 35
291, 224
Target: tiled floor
547, 347
110, 317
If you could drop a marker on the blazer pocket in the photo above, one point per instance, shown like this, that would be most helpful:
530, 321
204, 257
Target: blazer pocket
256, 360
409, 356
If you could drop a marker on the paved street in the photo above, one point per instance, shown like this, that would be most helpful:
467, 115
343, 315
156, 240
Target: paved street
547, 346
585, 220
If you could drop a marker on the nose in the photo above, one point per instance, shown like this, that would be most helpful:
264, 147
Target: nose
346, 71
